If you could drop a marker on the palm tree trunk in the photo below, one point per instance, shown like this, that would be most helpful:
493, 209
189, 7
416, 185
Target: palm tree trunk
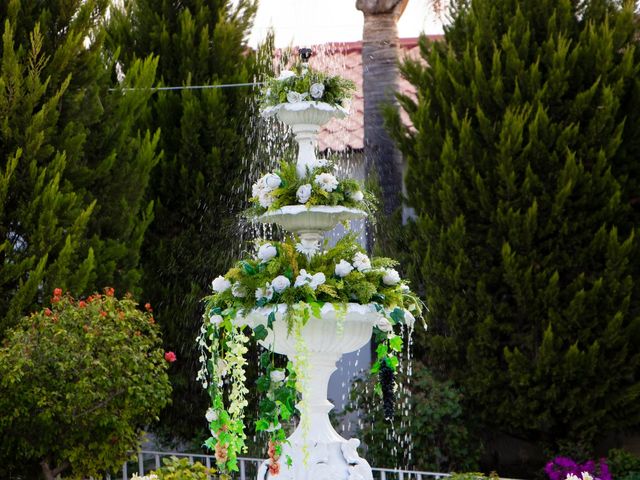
380, 78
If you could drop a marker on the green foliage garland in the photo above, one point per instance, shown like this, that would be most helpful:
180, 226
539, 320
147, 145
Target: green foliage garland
277, 275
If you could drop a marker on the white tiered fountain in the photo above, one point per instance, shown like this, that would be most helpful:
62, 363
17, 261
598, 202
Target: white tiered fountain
317, 451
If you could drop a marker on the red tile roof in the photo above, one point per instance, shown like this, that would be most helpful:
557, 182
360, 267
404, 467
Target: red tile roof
345, 59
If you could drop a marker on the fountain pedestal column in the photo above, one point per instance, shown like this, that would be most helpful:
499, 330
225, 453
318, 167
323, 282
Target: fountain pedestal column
317, 451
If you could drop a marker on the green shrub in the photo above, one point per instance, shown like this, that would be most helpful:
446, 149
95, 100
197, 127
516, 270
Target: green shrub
178, 469
623, 465
79, 381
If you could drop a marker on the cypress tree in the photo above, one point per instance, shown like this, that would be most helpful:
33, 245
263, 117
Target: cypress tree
75, 164
196, 185
523, 172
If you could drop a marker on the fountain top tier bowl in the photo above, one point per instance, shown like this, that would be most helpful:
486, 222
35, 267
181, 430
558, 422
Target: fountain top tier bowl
305, 113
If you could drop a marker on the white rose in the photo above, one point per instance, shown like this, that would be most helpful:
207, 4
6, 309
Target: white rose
258, 188
280, 283
294, 97
384, 325
284, 74
303, 193
391, 277
277, 376
215, 320
211, 415
238, 290
266, 199
302, 279
317, 280
220, 284
327, 182
317, 90
272, 181
404, 288
319, 163
361, 262
409, 319
266, 252
357, 196
266, 292
343, 268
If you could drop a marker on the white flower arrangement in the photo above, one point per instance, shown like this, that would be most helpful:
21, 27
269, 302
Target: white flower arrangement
302, 83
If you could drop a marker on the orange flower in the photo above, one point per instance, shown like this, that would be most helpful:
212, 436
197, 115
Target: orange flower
109, 291
274, 468
55, 299
82, 304
147, 306
221, 453
47, 312
57, 292
103, 313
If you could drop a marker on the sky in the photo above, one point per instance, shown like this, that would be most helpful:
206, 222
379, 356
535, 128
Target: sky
310, 22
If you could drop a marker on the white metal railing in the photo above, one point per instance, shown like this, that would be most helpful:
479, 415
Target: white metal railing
148, 460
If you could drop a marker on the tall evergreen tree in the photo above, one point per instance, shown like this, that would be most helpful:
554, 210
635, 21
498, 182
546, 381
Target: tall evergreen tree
523, 172
75, 164
196, 185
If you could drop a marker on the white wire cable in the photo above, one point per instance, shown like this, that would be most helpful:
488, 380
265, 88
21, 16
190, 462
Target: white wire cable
189, 87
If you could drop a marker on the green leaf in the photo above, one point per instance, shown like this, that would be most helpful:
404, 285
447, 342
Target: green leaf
382, 350
260, 332
270, 319
248, 268
397, 315
263, 383
265, 359
262, 425
395, 343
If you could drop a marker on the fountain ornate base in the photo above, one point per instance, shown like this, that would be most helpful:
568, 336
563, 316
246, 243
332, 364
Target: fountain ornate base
327, 461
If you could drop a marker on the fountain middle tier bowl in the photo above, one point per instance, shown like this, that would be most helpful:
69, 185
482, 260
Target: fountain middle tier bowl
337, 331
319, 218
306, 113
